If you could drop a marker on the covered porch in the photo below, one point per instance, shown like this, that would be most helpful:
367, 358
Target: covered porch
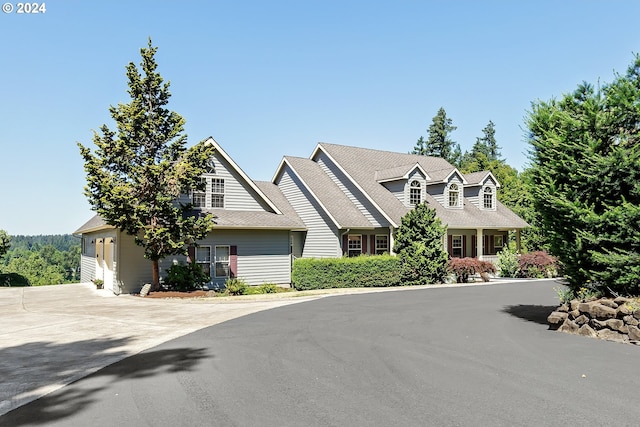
481, 243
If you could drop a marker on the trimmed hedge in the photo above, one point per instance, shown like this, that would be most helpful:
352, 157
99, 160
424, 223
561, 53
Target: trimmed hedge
356, 272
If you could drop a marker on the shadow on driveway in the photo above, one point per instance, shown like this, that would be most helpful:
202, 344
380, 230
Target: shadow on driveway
532, 313
70, 400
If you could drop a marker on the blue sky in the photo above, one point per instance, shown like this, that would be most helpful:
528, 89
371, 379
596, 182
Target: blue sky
273, 78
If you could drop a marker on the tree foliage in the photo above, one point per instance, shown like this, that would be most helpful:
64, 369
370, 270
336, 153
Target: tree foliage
439, 142
419, 246
137, 172
586, 180
5, 242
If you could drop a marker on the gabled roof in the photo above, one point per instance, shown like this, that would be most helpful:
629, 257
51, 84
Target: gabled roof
94, 224
473, 217
333, 201
243, 175
364, 167
479, 178
399, 172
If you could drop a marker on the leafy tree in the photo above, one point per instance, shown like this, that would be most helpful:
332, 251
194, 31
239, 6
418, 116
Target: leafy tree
439, 142
5, 242
137, 172
586, 181
419, 246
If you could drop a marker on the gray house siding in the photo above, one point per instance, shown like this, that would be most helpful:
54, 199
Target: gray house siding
351, 191
472, 194
263, 256
237, 195
398, 189
437, 191
322, 235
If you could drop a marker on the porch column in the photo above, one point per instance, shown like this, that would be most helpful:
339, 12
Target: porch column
445, 244
391, 240
479, 243
518, 242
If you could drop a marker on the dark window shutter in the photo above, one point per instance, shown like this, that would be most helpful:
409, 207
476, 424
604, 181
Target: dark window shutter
450, 245
373, 244
364, 243
191, 254
464, 245
474, 246
233, 261
345, 244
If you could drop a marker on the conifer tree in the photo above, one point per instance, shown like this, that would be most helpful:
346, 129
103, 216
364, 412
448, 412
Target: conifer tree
5, 242
439, 142
137, 172
586, 181
419, 245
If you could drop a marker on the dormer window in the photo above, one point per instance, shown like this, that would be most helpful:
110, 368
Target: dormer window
454, 196
488, 198
415, 193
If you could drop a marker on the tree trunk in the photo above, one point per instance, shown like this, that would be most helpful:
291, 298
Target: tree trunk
155, 275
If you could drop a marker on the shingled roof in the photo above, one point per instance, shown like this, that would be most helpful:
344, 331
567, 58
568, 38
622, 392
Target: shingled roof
367, 168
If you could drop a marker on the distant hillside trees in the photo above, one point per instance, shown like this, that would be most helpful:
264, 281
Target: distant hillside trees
43, 260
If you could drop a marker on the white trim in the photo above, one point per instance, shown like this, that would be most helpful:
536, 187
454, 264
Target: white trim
455, 171
244, 176
214, 261
353, 181
349, 240
375, 245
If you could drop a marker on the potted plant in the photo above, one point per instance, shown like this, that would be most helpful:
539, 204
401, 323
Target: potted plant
99, 283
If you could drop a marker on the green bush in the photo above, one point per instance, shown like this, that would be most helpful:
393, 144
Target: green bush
13, 279
357, 272
508, 263
185, 277
236, 286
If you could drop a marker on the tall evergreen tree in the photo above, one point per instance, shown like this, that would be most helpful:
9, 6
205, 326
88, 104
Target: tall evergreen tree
419, 245
439, 142
137, 172
586, 180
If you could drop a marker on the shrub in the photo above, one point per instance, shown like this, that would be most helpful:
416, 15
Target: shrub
537, 264
185, 277
508, 263
362, 271
268, 288
463, 268
13, 279
418, 245
236, 286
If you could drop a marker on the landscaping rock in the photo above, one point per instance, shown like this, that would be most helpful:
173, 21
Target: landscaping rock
587, 331
581, 319
598, 319
564, 308
569, 326
634, 333
621, 300
607, 303
557, 317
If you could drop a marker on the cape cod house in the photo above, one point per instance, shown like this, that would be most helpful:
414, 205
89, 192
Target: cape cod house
251, 237
352, 200
341, 200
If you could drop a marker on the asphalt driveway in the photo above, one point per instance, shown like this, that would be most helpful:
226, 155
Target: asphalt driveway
479, 355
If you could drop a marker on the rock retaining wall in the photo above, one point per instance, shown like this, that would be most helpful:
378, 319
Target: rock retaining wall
613, 320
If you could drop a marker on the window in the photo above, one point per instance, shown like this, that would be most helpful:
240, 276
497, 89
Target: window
454, 196
222, 261
354, 245
203, 259
217, 193
456, 246
498, 241
488, 198
415, 193
382, 244
212, 196
199, 197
